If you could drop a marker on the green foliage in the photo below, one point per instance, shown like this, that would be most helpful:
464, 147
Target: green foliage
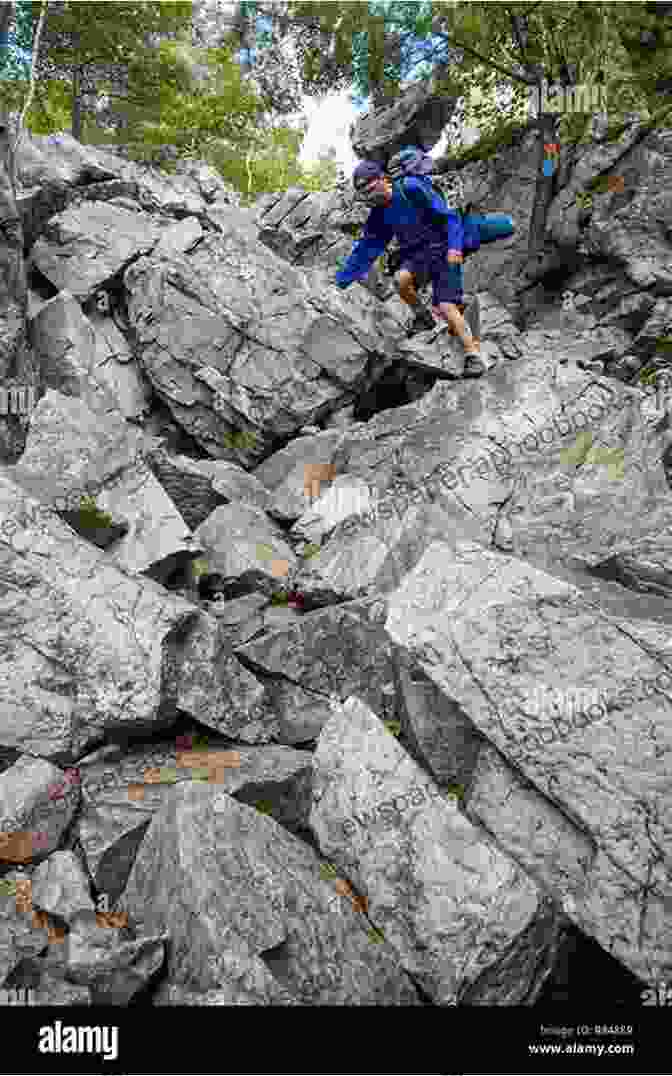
664, 343
455, 792
240, 441
168, 775
159, 102
7, 888
328, 872
376, 936
279, 598
311, 550
394, 727
264, 807
649, 375
599, 185
90, 515
504, 134
584, 201
576, 454
575, 129
15, 61
600, 37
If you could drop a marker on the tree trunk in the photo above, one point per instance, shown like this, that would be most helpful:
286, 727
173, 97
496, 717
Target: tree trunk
77, 103
545, 189
6, 11
15, 358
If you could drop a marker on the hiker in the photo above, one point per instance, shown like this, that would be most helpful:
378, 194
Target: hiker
433, 239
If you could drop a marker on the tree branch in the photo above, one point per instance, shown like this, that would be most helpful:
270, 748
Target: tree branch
527, 81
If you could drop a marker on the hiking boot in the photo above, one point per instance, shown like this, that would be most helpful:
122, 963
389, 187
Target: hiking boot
422, 322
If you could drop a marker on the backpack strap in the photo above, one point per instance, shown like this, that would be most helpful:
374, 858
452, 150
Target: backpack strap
406, 195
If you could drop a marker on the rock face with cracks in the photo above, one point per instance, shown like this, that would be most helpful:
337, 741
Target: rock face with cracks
327, 676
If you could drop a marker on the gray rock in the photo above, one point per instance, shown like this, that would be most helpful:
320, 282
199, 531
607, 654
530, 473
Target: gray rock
76, 360
213, 295
37, 807
516, 649
113, 968
102, 456
60, 886
202, 845
423, 863
335, 652
190, 320
121, 795
104, 637
83, 248
241, 542
420, 116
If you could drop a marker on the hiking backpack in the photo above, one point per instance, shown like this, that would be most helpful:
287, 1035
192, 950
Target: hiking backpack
415, 162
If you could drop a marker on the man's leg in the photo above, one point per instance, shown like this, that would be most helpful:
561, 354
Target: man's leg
449, 282
450, 313
473, 318
407, 289
407, 282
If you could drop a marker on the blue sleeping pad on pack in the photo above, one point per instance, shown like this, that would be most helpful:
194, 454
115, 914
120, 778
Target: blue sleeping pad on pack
478, 228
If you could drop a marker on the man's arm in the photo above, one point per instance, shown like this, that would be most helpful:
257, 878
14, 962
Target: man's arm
374, 239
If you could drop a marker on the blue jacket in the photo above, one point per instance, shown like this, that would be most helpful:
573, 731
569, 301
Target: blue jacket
415, 228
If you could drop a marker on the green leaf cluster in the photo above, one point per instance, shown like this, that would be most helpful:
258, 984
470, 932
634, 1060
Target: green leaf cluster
601, 39
90, 515
455, 791
161, 93
240, 441
198, 568
649, 375
15, 60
